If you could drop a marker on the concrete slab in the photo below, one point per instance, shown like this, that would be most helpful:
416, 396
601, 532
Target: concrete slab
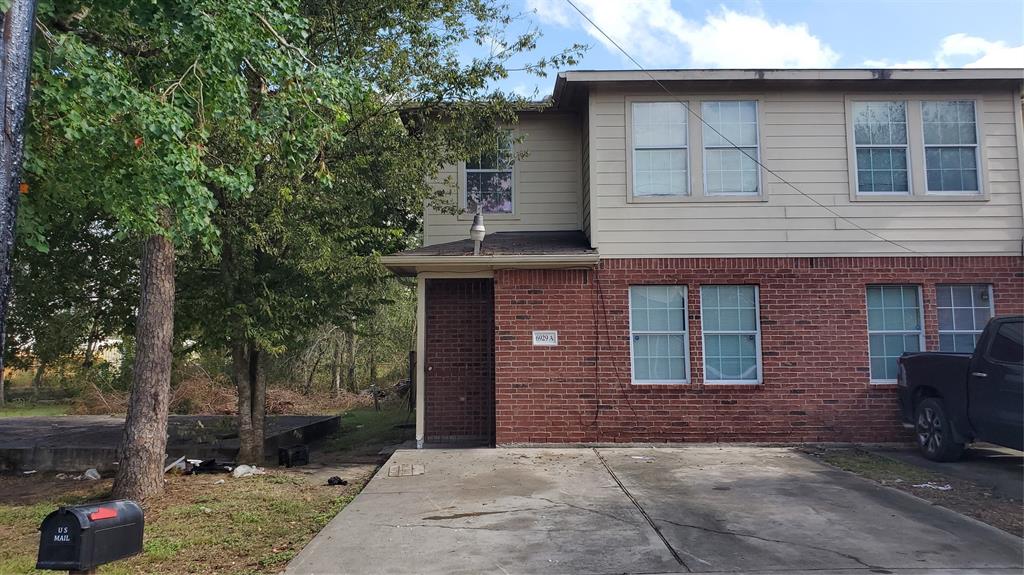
489, 511
738, 509
621, 510
1000, 469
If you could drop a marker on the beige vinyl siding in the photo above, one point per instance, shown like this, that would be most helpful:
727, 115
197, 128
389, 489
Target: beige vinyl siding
805, 142
547, 183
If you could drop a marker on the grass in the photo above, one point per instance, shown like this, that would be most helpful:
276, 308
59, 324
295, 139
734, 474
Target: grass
23, 409
246, 526
364, 431
243, 526
875, 467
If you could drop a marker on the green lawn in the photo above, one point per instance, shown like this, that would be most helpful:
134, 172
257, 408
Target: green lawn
22, 409
365, 431
244, 526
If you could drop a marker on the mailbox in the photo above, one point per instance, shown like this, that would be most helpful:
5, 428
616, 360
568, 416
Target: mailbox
83, 537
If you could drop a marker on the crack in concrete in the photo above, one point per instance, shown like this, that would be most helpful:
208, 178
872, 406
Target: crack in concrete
581, 508
853, 558
643, 512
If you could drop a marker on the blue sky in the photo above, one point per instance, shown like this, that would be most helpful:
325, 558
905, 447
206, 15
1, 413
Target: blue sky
778, 34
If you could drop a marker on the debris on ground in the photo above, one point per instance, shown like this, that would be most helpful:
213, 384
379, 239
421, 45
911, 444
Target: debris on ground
218, 482
930, 485
197, 467
335, 480
91, 474
29, 472
177, 465
246, 471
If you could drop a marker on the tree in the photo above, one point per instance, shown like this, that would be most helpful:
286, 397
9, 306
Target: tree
145, 111
16, 17
301, 251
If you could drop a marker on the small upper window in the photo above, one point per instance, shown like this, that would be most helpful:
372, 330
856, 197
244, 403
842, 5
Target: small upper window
489, 181
950, 147
880, 137
660, 165
730, 147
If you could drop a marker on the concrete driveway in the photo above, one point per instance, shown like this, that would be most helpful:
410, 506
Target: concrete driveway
629, 510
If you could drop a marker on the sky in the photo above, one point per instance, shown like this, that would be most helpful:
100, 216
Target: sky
775, 34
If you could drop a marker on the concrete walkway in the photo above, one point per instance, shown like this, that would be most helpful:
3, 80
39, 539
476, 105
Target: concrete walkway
621, 510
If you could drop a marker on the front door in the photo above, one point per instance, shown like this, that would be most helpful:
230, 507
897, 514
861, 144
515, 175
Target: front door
459, 365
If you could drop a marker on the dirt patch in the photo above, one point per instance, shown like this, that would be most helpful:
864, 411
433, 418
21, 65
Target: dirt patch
965, 497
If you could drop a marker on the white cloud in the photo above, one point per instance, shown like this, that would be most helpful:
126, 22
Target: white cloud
884, 63
986, 54
733, 40
963, 51
657, 34
551, 11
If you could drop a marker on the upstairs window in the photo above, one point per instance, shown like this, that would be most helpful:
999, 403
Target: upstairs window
489, 178
730, 147
660, 165
950, 147
963, 312
880, 138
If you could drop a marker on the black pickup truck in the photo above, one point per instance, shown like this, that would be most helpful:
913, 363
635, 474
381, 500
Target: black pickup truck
952, 399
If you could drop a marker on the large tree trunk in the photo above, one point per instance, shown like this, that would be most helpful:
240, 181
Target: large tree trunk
247, 362
141, 460
15, 67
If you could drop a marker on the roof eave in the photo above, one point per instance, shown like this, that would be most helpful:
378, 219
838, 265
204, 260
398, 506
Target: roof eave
412, 265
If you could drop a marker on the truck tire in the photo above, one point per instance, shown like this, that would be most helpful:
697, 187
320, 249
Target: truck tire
934, 433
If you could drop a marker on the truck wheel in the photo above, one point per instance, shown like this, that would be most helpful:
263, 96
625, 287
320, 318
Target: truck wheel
934, 432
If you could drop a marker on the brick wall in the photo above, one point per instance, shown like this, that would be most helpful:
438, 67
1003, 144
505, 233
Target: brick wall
814, 347
459, 384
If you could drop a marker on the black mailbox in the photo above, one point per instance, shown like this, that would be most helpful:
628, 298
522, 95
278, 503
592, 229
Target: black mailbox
82, 537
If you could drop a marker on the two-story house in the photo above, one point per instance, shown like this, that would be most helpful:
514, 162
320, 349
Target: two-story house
719, 255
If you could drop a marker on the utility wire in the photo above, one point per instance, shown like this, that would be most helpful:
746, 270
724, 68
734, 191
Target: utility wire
730, 142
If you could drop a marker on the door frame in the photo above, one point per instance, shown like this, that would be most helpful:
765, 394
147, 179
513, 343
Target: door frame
421, 339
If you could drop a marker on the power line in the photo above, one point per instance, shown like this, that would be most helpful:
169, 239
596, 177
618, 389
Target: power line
730, 142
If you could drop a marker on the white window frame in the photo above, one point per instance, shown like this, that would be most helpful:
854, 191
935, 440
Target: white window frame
685, 333
464, 186
991, 310
870, 332
757, 151
917, 175
757, 339
976, 146
906, 148
685, 148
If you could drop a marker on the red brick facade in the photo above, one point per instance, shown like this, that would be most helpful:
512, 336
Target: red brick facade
459, 384
814, 348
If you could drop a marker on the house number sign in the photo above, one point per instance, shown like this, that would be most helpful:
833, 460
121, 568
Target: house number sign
545, 338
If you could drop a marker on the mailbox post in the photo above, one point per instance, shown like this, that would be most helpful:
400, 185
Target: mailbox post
80, 538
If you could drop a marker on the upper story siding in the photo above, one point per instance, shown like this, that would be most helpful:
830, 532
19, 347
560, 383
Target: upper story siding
547, 189
804, 140
575, 171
